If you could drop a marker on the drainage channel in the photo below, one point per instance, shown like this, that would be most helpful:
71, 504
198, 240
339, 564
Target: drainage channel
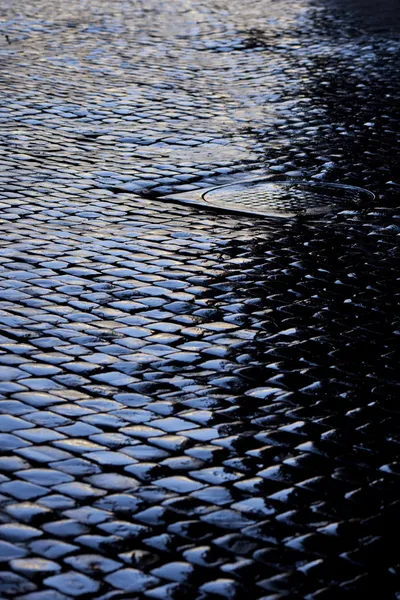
270, 197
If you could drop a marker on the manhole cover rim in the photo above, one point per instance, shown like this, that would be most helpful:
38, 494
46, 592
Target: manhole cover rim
198, 197
293, 181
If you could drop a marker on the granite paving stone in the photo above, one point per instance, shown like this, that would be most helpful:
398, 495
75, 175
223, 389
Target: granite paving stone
74, 583
197, 404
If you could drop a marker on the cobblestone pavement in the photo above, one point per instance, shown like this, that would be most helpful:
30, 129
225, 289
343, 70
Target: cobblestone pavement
194, 405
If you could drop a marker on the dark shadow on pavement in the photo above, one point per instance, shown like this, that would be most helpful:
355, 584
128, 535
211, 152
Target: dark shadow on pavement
372, 15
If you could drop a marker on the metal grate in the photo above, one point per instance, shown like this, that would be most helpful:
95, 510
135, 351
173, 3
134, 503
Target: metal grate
266, 197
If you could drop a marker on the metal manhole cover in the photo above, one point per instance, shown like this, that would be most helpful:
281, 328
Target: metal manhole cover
278, 198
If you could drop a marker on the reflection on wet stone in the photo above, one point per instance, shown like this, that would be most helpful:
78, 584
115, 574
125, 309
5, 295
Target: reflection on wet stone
195, 405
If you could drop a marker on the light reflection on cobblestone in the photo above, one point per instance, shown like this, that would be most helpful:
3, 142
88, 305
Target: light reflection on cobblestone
193, 405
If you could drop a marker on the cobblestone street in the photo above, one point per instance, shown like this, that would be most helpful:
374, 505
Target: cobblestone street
196, 405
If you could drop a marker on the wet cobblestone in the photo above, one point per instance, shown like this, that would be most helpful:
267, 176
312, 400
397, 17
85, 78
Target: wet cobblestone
195, 405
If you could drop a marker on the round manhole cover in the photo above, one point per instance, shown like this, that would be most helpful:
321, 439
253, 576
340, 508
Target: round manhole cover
285, 198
